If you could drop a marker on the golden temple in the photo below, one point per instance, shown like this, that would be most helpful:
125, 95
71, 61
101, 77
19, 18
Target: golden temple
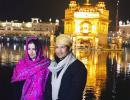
87, 23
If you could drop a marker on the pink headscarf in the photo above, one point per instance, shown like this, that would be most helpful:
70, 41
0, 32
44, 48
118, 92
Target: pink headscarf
35, 74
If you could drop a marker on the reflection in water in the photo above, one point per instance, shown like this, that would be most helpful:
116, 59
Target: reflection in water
24, 47
96, 66
0, 47
10, 53
108, 72
51, 53
15, 47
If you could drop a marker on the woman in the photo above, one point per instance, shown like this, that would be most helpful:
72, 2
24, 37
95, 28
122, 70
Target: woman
68, 75
33, 69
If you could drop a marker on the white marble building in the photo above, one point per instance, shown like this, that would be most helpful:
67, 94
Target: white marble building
35, 26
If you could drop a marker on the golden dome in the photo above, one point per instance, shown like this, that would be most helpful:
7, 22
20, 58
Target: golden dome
87, 7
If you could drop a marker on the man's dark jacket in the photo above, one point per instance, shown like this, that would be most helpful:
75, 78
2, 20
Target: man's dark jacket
72, 83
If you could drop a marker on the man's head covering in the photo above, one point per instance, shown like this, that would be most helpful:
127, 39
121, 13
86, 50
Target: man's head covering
64, 40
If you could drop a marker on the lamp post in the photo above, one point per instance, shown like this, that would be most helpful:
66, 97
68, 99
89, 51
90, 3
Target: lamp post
96, 42
51, 34
87, 1
117, 17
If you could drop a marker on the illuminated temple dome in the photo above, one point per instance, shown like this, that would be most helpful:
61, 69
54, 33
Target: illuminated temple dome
87, 23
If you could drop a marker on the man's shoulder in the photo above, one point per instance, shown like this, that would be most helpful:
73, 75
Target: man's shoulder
77, 65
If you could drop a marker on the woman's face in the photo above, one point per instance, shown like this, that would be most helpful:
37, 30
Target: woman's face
32, 51
61, 51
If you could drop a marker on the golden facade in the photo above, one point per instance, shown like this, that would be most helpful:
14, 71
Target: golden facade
87, 23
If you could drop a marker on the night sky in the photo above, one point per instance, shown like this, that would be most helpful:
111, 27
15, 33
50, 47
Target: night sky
44, 9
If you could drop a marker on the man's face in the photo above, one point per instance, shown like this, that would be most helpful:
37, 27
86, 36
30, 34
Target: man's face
32, 50
61, 51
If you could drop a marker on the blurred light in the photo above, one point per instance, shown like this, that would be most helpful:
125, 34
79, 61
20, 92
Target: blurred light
24, 47
77, 26
85, 28
3, 24
15, 47
50, 20
29, 24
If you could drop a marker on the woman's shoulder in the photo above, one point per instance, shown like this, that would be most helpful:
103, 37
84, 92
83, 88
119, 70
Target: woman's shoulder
47, 60
21, 61
44, 58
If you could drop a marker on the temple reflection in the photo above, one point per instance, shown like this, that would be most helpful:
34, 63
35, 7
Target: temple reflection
10, 53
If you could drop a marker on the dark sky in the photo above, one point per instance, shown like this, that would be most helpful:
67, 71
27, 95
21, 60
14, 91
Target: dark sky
44, 9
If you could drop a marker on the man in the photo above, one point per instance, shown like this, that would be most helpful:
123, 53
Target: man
68, 75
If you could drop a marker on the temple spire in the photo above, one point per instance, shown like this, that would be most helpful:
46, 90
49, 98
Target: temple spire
117, 17
87, 1
101, 0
